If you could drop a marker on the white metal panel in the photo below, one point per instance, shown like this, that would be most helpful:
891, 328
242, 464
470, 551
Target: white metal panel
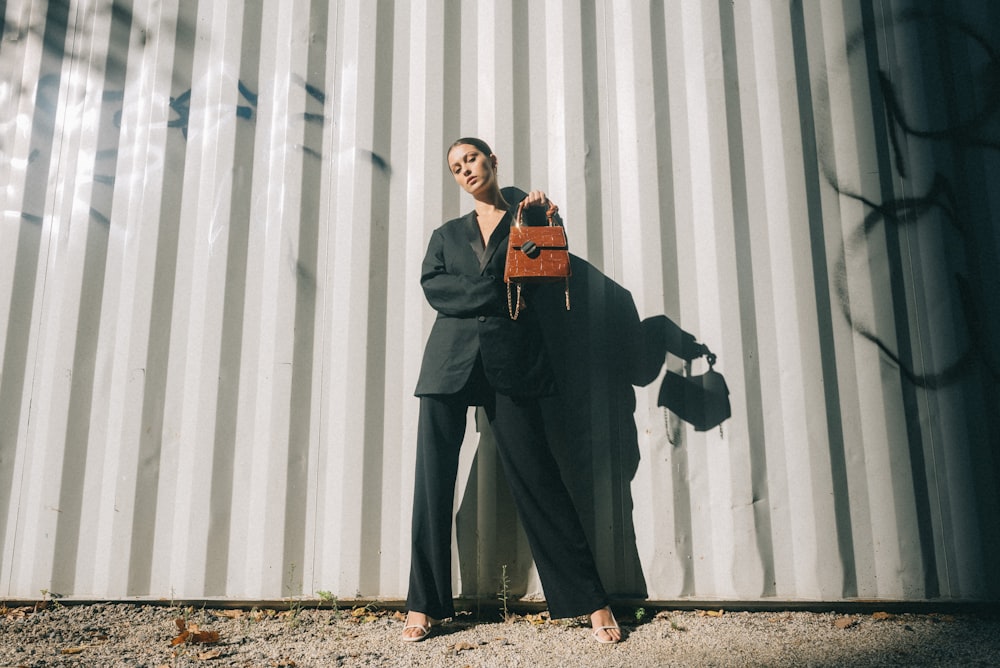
214, 215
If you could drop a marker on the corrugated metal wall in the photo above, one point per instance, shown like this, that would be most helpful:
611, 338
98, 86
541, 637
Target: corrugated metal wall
211, 324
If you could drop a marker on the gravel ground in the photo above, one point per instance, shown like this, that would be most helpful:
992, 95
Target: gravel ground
126, 634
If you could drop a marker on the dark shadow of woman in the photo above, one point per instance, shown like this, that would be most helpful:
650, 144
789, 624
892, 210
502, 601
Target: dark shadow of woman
600, 350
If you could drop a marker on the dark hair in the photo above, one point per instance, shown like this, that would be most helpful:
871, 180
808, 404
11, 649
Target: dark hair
483, 147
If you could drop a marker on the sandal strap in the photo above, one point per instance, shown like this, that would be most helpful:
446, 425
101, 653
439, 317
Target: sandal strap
425, 629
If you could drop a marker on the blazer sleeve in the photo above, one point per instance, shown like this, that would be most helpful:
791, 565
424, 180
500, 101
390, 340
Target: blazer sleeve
456, 294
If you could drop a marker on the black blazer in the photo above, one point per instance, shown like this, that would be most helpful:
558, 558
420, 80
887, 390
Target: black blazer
463, 282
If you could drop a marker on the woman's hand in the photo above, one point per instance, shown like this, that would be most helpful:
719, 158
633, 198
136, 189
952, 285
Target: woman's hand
536, 198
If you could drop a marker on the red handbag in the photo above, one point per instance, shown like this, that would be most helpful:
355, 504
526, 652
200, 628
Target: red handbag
535, 254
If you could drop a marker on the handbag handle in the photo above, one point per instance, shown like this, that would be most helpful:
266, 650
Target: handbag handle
550, 214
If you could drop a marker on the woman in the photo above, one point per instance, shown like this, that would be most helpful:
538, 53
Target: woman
477, 355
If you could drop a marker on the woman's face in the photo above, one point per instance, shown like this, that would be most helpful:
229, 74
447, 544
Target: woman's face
472, 169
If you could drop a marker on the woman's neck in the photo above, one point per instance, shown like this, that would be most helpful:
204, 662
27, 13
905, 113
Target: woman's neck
490, 211
490, 203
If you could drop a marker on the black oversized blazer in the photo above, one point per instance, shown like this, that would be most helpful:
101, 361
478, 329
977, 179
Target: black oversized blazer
468, 292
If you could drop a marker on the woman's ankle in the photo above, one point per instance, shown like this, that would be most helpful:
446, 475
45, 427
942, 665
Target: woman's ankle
421, 618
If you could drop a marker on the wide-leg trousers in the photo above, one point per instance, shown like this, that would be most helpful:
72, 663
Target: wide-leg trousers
558, 544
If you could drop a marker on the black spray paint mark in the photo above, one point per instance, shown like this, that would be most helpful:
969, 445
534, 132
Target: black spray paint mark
180, 117
970, 132
899, 212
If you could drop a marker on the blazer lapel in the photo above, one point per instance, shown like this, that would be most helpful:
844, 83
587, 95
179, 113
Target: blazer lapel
472, 235
497, 240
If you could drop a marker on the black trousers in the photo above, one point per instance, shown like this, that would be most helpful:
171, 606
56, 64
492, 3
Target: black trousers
559, 547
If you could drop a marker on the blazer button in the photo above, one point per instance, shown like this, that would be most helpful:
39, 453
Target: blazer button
482, 318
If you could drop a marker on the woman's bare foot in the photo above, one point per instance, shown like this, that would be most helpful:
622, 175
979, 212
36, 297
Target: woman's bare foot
417, 627
605, 627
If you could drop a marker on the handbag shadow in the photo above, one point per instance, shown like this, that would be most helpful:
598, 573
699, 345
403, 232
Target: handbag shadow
700, 400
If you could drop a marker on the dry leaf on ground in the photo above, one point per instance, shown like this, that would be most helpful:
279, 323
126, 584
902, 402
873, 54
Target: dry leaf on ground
16, 613
209, 655
206, 637
540, 618
190, 633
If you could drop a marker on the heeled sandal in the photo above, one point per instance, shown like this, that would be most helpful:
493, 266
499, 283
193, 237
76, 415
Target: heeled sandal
425, 631
609, 640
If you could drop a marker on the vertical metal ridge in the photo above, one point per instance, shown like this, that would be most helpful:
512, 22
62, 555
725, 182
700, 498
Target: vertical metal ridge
21, 348
756, 495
